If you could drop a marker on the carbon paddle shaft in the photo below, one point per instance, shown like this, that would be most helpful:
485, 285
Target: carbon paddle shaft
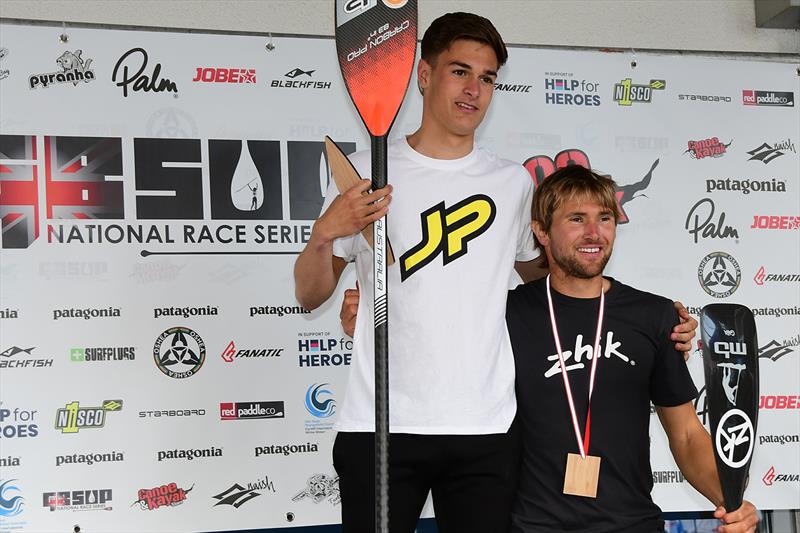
376, 42
730, 363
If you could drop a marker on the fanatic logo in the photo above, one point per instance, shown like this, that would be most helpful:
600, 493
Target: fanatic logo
761, 277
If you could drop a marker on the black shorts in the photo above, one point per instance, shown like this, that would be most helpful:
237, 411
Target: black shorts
472, 479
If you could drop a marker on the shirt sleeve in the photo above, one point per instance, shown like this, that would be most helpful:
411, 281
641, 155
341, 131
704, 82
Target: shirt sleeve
670, 383
525, 245
345, 247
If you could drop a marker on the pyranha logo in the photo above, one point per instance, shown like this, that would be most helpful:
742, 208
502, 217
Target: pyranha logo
11, 504
186, 352
72, 418
767, 153
627, 93
318, 407
447, 231
165, 495
3, 73
73, 70
707, 148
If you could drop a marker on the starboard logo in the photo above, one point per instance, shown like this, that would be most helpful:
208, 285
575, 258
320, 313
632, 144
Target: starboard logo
300, 79
78, 500
704, 98
72, 417
719, 274
319, 488
768, 98
20, 361
700, 222
711, 147
138, 81
562, 89
179, 352
225, 75
73, 70
767, 153
17, 423
231, 352
88, 459
762, 277
627, 93
162, 496
250, 410
169, 413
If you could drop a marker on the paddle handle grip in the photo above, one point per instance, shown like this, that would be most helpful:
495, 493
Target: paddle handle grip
379, 180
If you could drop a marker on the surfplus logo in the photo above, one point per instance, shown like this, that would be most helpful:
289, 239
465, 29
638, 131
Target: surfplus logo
105, 354
768, 98
250, 410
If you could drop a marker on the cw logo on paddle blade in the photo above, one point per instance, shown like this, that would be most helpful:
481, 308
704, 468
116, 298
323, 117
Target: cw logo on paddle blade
448, 230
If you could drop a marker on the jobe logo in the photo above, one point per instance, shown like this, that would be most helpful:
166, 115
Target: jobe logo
225, 75
447, 231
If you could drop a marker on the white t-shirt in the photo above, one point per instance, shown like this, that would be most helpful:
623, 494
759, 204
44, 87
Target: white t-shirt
451, 370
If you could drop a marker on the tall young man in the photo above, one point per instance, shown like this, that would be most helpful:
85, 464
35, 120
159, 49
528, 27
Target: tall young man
572, 404
459, 221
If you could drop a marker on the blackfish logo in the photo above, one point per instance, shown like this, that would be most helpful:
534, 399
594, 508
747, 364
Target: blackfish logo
298, 72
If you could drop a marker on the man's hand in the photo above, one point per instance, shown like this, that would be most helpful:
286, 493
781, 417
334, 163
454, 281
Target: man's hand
684, 332
352, 211
742, 520
349, 310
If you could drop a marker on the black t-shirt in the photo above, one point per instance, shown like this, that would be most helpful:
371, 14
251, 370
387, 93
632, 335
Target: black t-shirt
639, 365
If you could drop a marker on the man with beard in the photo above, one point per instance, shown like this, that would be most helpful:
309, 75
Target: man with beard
591, 354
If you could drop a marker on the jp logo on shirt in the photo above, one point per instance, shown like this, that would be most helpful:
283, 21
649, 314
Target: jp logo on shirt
447, 231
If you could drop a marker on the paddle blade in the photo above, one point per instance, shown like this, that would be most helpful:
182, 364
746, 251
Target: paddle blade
730, 362
346, 176
376, 41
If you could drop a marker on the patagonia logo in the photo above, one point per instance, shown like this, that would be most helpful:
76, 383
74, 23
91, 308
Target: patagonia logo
447, 231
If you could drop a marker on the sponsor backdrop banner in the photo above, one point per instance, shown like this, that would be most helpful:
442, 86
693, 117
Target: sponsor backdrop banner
155, 189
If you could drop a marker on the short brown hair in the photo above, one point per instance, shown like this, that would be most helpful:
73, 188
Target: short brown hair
567, 183
454, 26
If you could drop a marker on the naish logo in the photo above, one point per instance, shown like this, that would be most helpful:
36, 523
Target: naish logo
584, 352
73, 70
774, 350
447, 231
627, 93
766, 153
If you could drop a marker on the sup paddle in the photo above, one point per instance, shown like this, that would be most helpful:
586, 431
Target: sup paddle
730, 362
376, 42
346, 176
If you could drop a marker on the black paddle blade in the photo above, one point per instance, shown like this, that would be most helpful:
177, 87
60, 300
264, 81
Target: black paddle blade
376, 41
730, 361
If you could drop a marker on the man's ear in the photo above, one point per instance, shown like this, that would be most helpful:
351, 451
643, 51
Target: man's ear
423, 74
539, 233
